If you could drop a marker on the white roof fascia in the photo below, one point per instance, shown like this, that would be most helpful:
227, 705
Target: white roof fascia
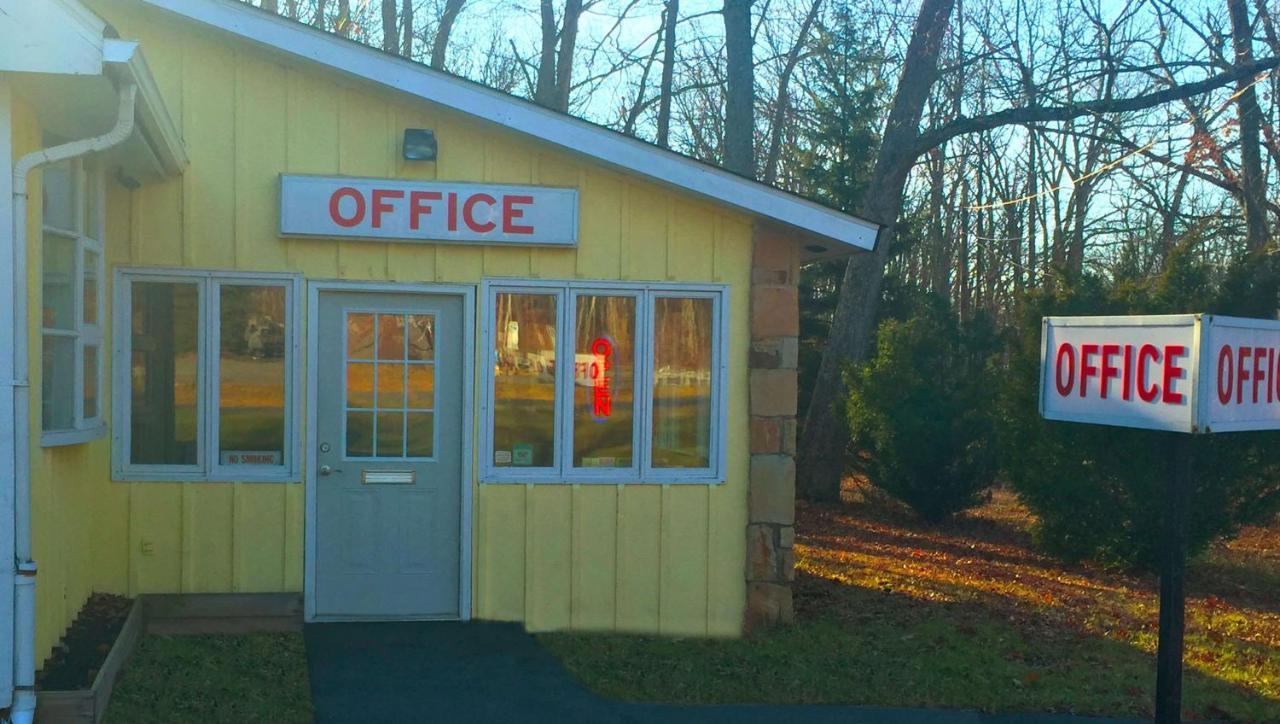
562, 130
50, 36
159, 131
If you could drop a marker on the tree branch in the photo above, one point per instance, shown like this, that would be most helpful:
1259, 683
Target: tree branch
1046, 114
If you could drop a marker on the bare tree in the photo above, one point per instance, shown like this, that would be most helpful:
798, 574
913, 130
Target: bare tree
440, 44
390, 38
1252, 182
670, 16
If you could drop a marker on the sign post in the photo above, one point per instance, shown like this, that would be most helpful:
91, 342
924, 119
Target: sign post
1182, 373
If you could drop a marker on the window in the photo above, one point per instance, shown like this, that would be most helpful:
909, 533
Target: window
390, 386
71, 297
592, 382
207, 380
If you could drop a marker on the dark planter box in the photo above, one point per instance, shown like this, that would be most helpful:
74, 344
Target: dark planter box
89, 705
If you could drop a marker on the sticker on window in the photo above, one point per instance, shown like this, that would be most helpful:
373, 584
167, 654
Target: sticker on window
501, 457
522, 454
251, 457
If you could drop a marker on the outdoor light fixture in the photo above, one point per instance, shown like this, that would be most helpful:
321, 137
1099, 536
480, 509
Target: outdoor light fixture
419, 145
816, 249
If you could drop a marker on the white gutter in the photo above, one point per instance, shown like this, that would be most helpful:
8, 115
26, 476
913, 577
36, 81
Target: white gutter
24, 635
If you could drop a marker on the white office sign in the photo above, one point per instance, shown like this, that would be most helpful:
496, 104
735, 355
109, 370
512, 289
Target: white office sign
427, 211
1184, 372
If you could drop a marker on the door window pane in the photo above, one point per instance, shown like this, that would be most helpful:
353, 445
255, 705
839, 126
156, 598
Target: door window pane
422, 387
524, 394
251, 371
682, 359
59, 288
359, 434
90, 401
360, 385
390, 434
164, 371
58, 383
422, 337
604, 381
421, 434
359, 336
391, 336
390, 386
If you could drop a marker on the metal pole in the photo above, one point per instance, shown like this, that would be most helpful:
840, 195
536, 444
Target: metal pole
1173, 563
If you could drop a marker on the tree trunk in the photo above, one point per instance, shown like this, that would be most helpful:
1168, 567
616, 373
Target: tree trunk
564, 61
739, 112
440, 45
390, 33
406, 29
271, 6
672, 16
318, 19
782, 105
342, 26
821, 449
545, 92
1252, 182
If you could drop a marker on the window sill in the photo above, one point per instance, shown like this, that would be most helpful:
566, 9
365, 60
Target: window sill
61, 438
691, 480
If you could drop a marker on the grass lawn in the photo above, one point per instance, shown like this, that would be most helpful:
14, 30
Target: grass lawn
214, 678
894, 613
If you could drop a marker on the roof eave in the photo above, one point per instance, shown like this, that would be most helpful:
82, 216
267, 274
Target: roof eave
571, 134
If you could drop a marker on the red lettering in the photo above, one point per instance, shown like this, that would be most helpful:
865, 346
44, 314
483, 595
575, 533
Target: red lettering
1087, 370
1109, 371
1065, 352
335, 211
418, 206
1147, 352
1224, 374
453, 211
1259, 373
510, 214
1271, 365
1242, 371
1126, 382
380, 206
468, 213
1172, 372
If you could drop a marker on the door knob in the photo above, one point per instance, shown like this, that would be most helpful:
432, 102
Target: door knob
326, 470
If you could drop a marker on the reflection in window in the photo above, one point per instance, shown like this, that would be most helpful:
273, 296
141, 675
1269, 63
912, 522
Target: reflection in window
390, 400
164, 370
682, 364
604, 381
251, 372
524, 395
58, 382
59, 290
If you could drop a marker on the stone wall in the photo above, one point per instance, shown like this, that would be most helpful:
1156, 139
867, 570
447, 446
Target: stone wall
775, 328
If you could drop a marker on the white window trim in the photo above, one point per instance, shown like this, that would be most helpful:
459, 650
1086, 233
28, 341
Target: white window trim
84, 181
562, 471
208, 467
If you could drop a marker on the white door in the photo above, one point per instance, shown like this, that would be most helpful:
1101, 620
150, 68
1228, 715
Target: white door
388, 455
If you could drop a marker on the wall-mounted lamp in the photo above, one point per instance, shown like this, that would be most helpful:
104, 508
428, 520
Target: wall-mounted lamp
419, 145
815, 249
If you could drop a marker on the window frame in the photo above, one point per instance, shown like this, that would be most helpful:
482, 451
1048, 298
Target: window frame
208, 467
641, 471
86, 179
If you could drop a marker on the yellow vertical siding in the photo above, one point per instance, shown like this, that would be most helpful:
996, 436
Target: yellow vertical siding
627, 557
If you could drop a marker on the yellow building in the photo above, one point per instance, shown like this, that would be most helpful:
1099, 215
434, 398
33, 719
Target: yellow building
293, 315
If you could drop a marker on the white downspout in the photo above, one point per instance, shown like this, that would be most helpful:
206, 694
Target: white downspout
24, 635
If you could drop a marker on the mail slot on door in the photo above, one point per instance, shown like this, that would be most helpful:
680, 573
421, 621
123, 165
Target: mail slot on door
388, 477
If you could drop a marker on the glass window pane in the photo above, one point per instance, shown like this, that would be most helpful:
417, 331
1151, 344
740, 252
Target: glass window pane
164, 370
59, 284
421, 434
359, 434
391, 336
360, 384
90, 410
58, 384
524, 394
422, 387
89, 223
251, 371
360, 336
390, 386
682, 338
390, 434
603, 381
422, 337
90, 296
58, 195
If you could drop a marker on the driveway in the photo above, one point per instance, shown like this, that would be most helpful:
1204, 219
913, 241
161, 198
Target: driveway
495, 672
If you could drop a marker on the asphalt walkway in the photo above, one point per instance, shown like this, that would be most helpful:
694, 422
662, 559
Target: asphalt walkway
494, 672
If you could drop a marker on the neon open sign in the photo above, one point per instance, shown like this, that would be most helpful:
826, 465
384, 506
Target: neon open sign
596, 373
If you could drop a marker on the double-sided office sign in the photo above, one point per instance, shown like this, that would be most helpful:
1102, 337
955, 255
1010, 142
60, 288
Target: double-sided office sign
1189, 373
427, 211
